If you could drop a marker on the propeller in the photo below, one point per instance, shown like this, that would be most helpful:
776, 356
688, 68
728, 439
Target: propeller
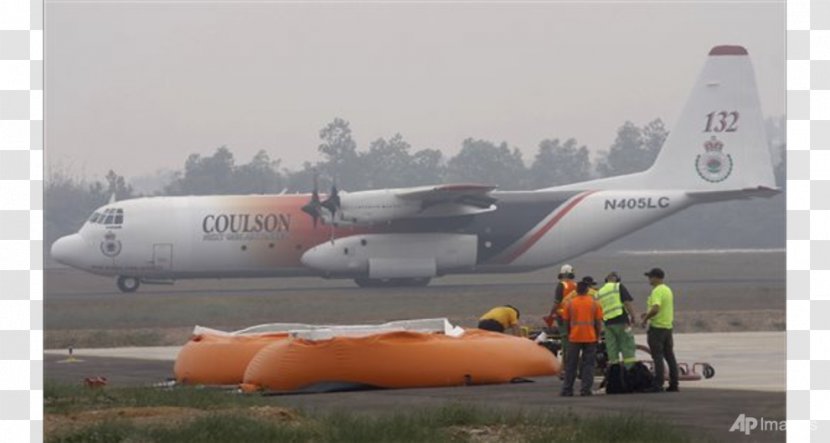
332, 203
312, 208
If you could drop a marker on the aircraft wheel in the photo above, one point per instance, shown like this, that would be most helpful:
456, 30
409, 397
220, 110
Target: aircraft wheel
708, 371
128, 284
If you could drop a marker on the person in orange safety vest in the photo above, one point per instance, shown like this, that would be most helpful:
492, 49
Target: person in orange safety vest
583, 318
564, 287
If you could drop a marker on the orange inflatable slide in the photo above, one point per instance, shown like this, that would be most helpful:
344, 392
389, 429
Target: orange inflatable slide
290, 361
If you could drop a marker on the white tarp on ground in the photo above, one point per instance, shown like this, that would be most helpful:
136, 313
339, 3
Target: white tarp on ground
325, 332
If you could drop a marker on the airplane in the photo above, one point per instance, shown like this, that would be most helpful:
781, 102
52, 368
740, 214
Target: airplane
405, 237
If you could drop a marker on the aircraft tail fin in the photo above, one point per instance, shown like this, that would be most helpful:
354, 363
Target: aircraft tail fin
718, 142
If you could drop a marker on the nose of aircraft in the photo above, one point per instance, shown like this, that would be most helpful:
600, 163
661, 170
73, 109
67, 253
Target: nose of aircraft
68, 250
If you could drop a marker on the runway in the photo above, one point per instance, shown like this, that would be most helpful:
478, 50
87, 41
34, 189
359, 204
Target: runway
706, 286
346, 286
698, 271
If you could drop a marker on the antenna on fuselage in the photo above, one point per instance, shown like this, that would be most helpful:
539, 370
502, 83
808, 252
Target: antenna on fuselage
112, 198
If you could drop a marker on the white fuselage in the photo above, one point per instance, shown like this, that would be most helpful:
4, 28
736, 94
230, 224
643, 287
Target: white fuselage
165, 238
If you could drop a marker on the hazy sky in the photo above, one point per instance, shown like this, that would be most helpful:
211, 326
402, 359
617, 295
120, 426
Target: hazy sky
137, 86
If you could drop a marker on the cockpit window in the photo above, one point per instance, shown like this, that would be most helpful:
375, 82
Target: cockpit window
110, 217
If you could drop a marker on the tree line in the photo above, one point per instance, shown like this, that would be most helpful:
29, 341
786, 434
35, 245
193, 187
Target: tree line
384, 163
392, 162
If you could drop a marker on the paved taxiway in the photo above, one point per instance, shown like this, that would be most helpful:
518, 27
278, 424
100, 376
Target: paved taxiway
744, 289
714, 292
742, 360
709, 406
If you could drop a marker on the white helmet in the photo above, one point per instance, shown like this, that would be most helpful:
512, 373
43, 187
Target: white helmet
566, 269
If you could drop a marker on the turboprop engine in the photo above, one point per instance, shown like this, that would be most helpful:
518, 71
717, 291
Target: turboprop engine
385, 256
370, 207
367, 208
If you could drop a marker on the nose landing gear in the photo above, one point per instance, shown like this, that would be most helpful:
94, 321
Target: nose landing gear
128, 284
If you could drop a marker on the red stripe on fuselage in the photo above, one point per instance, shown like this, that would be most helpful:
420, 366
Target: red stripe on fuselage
547, 227
464, 187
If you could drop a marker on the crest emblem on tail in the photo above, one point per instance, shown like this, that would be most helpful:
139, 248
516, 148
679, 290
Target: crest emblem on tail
714, 165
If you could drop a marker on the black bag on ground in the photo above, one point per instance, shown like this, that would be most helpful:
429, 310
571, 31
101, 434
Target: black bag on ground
639, 378
616, 380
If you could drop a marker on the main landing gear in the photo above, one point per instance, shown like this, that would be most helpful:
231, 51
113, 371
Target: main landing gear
391, 282
128, 284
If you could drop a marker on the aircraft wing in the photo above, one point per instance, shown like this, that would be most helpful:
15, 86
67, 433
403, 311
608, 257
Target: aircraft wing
451, 200
462, 194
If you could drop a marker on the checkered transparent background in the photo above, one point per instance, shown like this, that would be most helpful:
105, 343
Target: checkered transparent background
808, 220
21, 219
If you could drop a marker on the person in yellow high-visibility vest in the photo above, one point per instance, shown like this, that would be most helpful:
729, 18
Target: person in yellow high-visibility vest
618, 315
660, 320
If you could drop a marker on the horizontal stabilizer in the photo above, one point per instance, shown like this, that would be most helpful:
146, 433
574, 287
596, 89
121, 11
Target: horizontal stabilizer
745, 194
